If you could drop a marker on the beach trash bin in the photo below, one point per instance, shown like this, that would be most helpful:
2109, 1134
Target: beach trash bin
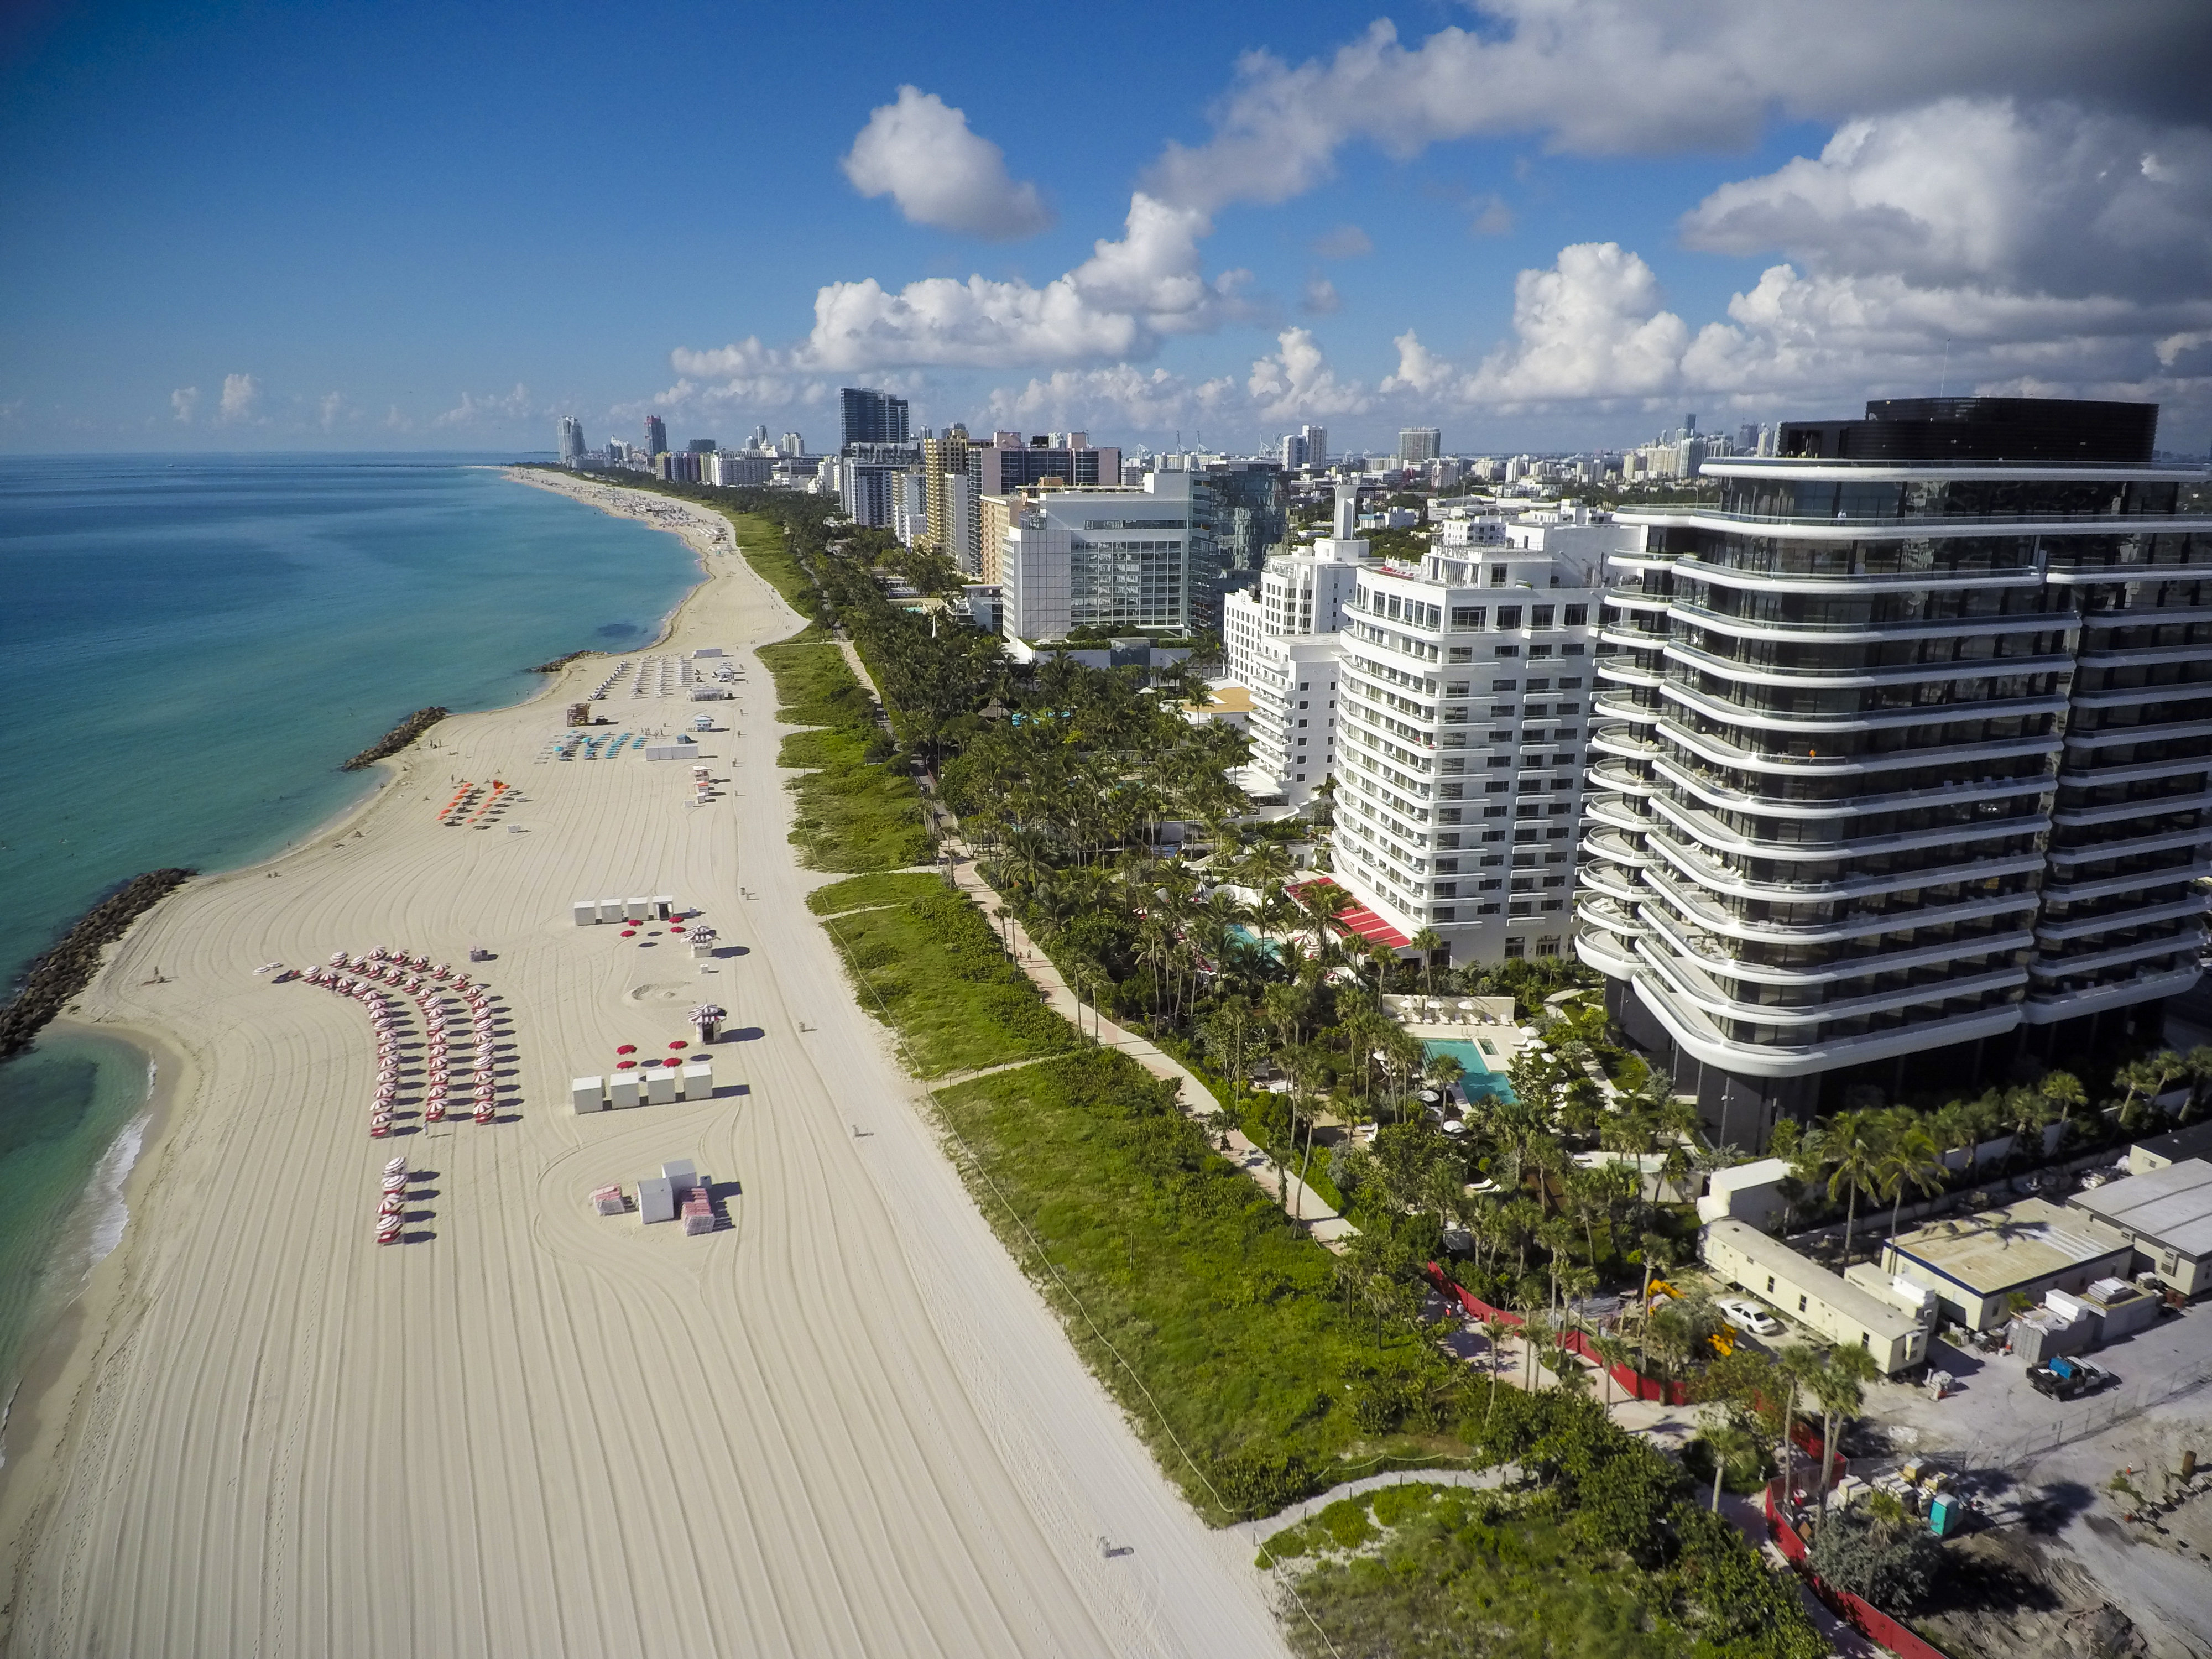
699, 1080
610, 909
660, 1085
656, 1200
588, 1094
586, 912
637, 910
625, 1090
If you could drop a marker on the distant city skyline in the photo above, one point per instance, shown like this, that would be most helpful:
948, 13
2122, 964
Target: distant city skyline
1543, 229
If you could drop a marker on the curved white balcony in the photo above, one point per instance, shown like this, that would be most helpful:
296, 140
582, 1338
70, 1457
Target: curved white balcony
1718, 837
1823, 725
2048, 1007
2130, 881
1844, 584
1709, 951
1595, 948
2119, 736
1717, 753
1614, 848
1813, 633
2186, 939
1620, 739
2127, 696
1692, 863
1625, 672
2164, 841
1620, 776
2115, 812
1845, 679
1610, 880
1661, 884
1712, 790
1622, 706
1614, 812
2135, 771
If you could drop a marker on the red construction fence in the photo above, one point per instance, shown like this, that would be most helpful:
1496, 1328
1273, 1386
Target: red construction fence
1861, 1615
1627, 1378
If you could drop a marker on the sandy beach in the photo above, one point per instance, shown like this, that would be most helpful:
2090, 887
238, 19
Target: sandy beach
844, 1423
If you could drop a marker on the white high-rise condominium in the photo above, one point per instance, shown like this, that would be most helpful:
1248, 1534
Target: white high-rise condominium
1282, 642
572, 440
1906, 758
1417, 444
1108, 556
1466, 681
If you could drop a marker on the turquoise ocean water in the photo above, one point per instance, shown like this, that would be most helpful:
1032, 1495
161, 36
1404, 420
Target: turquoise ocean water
188, 647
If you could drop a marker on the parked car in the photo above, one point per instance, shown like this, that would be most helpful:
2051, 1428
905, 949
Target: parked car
1747, 1315
2067, 1378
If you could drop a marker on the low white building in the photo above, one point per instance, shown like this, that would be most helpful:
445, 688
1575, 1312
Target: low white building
1293, 690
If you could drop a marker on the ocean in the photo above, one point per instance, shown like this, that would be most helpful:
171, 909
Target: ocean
190, 648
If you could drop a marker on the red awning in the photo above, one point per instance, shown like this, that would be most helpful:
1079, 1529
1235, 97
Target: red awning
1357, 919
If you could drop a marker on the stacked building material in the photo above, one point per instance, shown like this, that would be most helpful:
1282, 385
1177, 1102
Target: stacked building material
608, 1200
698, 1215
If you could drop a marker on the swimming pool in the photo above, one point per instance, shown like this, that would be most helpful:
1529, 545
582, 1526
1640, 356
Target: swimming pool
1477, 1075
1240, 931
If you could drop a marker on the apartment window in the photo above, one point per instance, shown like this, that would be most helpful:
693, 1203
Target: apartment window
1571, 650
1516, 948
1497, 576
1504, 685
1390, 608
1574, 616
1539, 685
1506, 651
1770, 1284
1548, 945
1467, 615
1539, 616
1486, 909
1801, 1303
1462, 653
1509, 616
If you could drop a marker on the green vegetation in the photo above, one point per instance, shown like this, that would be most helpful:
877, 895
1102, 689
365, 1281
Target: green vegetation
767, 548
1275, 1367
853, 814
1597, 1551
931, 965
866, 892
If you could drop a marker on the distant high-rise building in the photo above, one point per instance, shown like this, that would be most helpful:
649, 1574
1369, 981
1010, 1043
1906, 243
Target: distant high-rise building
1294, 452
791, 443
656, 435
870, 418
702, 446
1007, 463
572, 440
951, 473
1746, 438
1316, 441
759, 439
1417, 444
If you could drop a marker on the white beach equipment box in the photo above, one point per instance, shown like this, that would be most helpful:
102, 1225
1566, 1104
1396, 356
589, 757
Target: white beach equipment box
656, 1198
623, 1090
699, 1080
586, 911
610, 909
660, 1085
588, 1094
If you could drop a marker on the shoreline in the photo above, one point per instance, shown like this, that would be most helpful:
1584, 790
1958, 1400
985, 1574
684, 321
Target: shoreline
61, 1353
866, 1430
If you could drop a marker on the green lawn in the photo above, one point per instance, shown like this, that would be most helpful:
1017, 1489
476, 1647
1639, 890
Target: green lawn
931, 963
1230, 1318
853, 814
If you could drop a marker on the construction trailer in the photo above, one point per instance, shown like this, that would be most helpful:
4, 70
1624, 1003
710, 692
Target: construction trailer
2166, 1215
1801, 1289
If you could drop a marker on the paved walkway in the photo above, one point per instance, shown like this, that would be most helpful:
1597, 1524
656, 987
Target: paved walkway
1305, 1205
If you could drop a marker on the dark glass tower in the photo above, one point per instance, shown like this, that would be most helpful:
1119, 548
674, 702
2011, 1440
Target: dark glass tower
1904, 760
872, 417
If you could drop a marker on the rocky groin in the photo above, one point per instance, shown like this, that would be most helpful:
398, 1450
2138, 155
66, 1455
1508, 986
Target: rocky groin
397, 738
62, 972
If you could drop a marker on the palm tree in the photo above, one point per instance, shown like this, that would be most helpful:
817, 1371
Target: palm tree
1615, 1352
1837, 1388
2063, 1091
1658, 1252
1909, 1159
1497, 1329
1428, 942
1802, 1365
1852, 1150
2199, 1063
1726, 1444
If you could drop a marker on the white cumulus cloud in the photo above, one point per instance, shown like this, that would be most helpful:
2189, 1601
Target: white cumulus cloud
183, 402
492, 409
240, 394
1295, 382
921, 152
1631, 76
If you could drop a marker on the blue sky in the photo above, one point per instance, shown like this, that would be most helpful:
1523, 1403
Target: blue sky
272, 226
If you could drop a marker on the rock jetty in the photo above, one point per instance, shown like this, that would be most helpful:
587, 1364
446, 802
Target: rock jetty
67, 969
398, 738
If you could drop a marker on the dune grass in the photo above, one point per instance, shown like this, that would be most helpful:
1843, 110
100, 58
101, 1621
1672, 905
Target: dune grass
1238, 1358
868, 892
854, 815
930, 963
762, 543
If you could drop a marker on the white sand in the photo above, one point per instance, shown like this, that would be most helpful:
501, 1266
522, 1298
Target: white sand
844, 1425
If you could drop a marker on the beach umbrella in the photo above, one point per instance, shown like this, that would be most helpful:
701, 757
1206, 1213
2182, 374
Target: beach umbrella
630, 1048
398, 1166
679, 1043
337, 959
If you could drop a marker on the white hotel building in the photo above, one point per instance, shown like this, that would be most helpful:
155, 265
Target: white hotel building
1282, 642
1465, 697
